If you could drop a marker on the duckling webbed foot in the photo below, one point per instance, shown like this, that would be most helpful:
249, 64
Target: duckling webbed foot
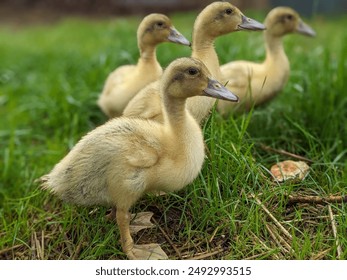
136, 252
144, 252
148, 252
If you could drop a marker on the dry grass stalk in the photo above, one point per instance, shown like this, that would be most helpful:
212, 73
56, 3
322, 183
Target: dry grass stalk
59, 254
209, 254
37, 246
256, 257
258, 240
187, 255
33, 247
317, 199
67, 242
6, 250
333, 225
320, 255
77, 251
274, 237
43, 244
285, 153
285, 232
168, 239
191, 244
308, 219
281, 239
213, 234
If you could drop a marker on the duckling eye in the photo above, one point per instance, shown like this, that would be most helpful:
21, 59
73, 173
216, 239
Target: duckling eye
192, 71
228, 11
160, 24
290, 17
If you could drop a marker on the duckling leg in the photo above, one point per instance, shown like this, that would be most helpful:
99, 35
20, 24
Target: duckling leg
138, 222
123, 221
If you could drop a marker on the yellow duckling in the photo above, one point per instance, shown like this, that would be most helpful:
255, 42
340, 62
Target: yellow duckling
124, 82
217, 19
116, 163
256, 83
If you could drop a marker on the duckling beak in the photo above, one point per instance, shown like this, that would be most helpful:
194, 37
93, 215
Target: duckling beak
250, 24
305, 29
217, 90
177, 37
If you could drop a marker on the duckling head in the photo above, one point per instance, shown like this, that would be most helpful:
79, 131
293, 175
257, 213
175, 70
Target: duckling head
284, 20
157, 28
188, 77
220, 18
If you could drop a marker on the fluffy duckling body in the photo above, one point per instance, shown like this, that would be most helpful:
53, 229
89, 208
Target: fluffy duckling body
217, 19
257, 83
124, 82
118, 162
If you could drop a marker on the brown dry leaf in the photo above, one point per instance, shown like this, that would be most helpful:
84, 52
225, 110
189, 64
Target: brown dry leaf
289, 169
140, 221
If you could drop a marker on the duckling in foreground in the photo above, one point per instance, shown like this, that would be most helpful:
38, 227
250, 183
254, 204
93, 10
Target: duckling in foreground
124, 82
257, 83
116, 163
216, 19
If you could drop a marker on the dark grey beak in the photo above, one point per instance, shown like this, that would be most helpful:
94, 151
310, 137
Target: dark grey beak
217, 90
177, 37
250, 24
305, 29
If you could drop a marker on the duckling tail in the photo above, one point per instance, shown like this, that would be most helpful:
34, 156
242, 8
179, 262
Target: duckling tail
43, 182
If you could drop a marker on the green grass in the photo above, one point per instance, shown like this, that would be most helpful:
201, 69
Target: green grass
50, 77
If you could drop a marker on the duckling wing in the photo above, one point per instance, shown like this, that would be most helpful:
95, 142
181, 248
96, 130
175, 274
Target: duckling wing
119, 88
245, 79
136, 141
146, 104
238, 76
117, 78
144, 152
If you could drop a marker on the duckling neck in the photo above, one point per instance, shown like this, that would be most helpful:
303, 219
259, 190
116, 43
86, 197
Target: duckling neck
175, 112
148, 54
274, 48
203, 49
276, 66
